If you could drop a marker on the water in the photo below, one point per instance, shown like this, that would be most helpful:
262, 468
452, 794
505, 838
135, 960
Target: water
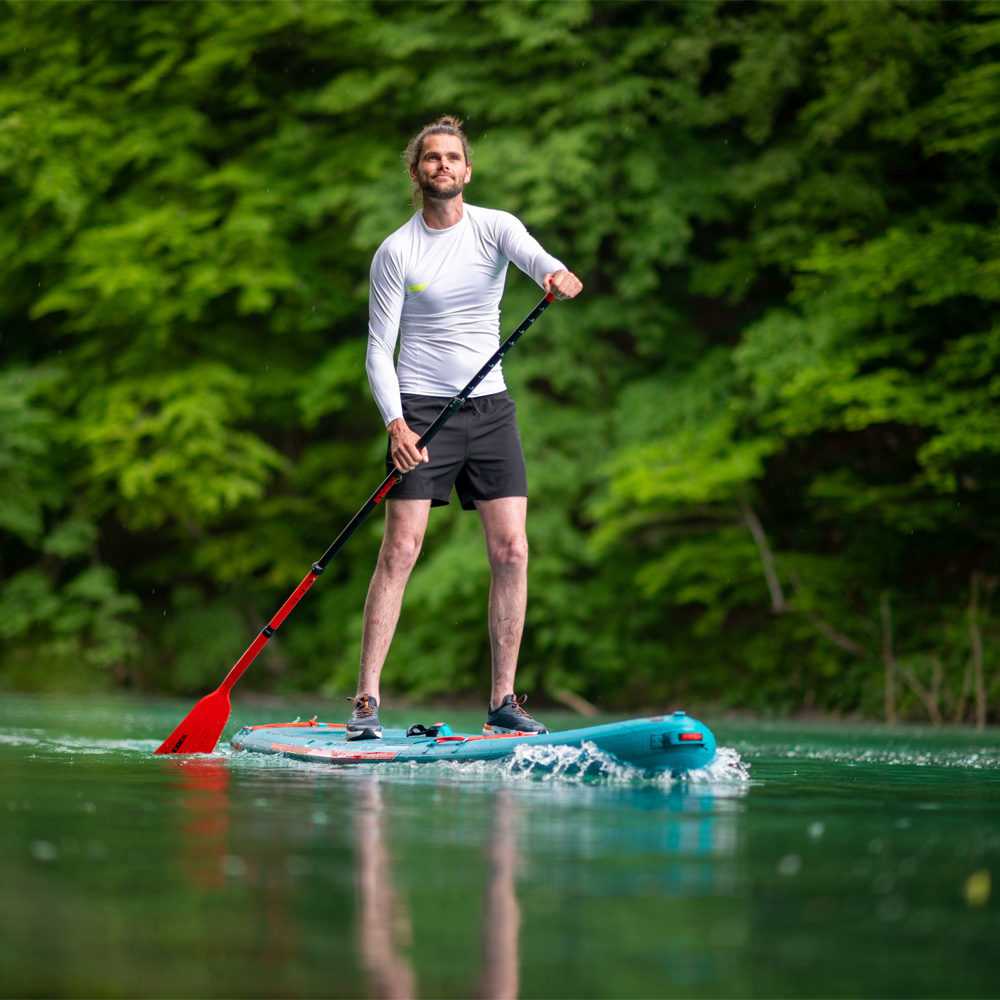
811, 861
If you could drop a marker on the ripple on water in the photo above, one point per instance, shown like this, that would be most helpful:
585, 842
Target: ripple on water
74, 744
978, 759
20, 738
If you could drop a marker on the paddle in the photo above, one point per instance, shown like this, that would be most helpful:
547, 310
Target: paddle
202, 726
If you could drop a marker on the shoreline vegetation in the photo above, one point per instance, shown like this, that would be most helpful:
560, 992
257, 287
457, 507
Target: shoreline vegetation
763, 446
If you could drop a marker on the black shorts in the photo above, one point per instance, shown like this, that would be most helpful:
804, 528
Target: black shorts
478, 451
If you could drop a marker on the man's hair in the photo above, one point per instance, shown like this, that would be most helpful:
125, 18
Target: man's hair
445, 125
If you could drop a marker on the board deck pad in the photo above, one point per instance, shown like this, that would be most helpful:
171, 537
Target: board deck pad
675, 743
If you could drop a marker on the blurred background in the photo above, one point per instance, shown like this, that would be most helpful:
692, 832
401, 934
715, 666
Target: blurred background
763, 446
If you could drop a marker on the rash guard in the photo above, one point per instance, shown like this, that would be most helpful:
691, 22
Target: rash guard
438, 292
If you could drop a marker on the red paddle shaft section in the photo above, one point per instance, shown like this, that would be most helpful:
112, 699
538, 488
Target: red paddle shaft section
269, 629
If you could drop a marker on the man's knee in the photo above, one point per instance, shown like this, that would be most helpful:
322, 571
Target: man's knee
398, 554
509, 552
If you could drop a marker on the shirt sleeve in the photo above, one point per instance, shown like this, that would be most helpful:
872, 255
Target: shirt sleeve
385, 306
523, 250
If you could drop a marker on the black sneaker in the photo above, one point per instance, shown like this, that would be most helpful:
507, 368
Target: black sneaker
363, 723
511, 718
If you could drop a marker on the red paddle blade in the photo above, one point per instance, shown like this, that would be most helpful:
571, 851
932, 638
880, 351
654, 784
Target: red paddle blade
202, 726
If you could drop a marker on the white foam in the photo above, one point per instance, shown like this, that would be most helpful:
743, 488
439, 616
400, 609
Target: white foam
568, 763
18, 738
727, 767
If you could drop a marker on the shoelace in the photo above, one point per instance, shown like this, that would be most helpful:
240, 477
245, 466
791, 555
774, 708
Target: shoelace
517, 703
362, 707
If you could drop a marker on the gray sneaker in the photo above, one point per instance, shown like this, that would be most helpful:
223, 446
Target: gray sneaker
363, 723
511, 718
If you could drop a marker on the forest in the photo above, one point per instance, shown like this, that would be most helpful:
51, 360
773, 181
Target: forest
763, 445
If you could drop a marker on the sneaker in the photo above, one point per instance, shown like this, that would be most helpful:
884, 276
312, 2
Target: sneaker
363, 723
511, 718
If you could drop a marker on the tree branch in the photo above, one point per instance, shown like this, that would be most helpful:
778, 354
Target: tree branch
831, 632
932, 697
766, 555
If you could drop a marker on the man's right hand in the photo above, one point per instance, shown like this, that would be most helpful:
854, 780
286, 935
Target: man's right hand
406, 456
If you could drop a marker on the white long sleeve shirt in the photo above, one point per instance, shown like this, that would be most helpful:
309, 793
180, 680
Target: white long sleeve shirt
438, 292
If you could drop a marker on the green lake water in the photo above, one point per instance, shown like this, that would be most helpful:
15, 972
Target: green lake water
812, 860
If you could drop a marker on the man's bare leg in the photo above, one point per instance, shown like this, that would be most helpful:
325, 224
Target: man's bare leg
405, 525
507, 548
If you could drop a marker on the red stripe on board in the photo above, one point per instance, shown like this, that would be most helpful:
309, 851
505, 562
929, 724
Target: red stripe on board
335, 753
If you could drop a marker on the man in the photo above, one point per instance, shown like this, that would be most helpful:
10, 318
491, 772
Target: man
438, 281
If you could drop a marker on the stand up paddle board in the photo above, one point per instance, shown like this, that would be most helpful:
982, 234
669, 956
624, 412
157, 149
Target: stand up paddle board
675, 743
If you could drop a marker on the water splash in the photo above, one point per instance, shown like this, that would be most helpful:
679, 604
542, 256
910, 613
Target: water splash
567, 763
727, 767
587, 764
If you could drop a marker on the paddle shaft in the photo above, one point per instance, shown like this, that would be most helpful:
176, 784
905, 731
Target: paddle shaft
452, 407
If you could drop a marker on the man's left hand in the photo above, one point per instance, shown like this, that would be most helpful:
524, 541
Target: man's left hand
562, 284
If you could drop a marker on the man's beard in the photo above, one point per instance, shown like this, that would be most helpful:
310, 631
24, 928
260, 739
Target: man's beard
430, 189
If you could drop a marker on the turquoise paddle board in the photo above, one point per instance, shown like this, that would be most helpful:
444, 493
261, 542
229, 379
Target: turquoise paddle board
675, 743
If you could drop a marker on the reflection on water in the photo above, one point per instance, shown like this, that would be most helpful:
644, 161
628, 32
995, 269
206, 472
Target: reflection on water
498, 935
384, 924
693, 823
855, 862
384, 930
203, 820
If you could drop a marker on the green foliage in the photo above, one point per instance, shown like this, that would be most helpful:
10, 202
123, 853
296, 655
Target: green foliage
774, 403
78, 635
165, 446
28, 483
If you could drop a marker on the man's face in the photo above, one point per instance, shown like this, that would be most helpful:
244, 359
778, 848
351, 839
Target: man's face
441, 171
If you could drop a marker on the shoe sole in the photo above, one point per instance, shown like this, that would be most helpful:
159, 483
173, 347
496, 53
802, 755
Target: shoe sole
364, 734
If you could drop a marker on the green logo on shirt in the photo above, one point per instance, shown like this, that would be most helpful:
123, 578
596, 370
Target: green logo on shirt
417, 288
